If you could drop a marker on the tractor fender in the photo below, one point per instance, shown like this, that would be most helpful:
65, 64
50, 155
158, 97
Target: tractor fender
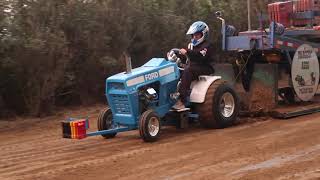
199, 88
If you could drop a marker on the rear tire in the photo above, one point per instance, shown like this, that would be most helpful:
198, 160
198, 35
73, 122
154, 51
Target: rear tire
149, 126
105, 122
221, 106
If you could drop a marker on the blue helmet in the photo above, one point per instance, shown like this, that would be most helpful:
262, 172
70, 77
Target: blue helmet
199, 26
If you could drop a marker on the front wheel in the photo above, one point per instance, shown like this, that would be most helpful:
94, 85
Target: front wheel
221, 106
105, 122
149, 126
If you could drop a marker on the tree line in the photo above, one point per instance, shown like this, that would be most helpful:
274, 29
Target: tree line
59, 53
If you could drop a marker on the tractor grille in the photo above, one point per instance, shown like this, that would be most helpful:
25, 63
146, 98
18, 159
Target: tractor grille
121, 104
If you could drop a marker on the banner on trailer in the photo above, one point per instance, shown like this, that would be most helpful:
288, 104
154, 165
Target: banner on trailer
305, 72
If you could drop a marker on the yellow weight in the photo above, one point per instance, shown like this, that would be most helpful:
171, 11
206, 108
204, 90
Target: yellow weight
72, 130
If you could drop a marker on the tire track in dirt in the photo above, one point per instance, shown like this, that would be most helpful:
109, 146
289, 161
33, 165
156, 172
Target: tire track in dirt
40, 170
278, 160
57, 161
28, 138
31, 157
25, 146
47, 149
48, 157
40, 142
21, 142
83, 161
32, 149
217, 168
54, 153
49, 139
310, 174
96, 162
201, 171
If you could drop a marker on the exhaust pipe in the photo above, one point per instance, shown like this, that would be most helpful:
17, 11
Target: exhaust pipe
128, 62
249, 14
223, 30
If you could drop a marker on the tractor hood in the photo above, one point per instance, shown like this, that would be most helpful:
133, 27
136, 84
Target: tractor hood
153, 69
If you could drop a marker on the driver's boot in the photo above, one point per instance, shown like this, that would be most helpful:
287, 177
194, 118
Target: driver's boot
179, 105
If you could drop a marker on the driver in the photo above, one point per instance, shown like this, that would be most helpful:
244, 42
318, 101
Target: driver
200, 52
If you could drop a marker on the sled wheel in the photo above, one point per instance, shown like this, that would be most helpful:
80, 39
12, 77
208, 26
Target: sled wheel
221, 106
105, 122
149, 126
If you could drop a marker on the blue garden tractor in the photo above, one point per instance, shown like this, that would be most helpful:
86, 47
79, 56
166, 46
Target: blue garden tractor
142, 98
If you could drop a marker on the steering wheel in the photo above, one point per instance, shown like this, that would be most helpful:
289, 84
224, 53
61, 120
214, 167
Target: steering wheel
174, 56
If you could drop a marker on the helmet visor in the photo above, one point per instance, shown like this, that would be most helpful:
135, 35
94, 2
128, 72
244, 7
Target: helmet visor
197, 35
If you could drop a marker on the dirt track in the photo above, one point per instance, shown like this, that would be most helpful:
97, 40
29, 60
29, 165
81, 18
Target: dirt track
254, 149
